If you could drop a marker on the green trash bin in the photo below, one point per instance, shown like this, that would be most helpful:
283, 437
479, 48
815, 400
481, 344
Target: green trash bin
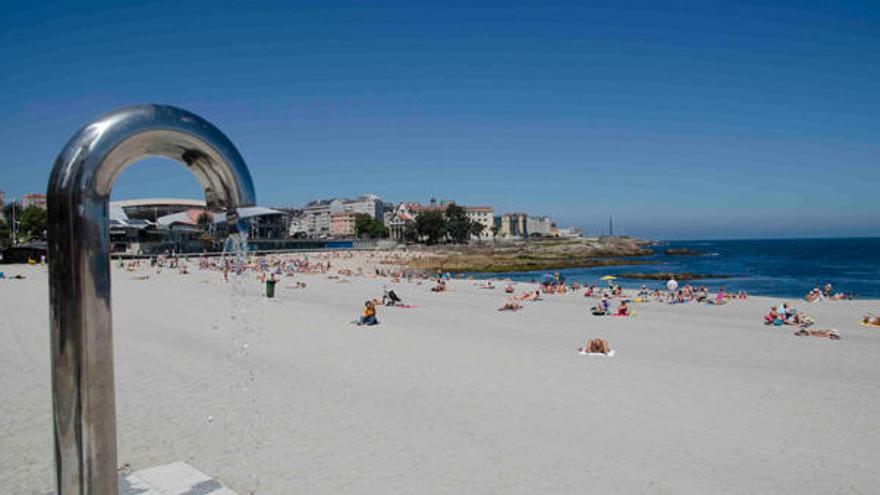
270, 288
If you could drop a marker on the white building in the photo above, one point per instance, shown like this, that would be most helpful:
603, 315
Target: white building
297, 226
522, 225
539, 226
405, 213
369, 204
569, 232
484, 216
317, 215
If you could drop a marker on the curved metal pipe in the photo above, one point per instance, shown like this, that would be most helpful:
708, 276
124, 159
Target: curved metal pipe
83, 395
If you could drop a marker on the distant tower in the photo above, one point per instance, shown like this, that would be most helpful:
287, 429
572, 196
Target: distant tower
610, 227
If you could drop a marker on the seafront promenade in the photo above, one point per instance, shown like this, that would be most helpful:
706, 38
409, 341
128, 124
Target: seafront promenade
286, 395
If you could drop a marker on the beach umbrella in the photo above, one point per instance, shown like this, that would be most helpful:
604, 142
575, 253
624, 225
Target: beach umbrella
608, 277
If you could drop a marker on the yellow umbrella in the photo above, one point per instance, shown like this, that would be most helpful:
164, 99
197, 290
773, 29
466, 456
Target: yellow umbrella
608, 277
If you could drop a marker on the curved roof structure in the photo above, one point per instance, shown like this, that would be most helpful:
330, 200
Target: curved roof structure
191, 217
146, 202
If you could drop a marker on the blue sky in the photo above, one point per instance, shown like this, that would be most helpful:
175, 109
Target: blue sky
682, 119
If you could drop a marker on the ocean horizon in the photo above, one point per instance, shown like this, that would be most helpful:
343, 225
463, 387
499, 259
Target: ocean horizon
787, 268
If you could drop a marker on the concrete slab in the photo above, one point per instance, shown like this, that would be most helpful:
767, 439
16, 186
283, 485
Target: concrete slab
177, 478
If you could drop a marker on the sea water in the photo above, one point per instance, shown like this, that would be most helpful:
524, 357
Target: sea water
778, 267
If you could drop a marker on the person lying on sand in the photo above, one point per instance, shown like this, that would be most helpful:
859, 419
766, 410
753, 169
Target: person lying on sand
822, 334
510, 306
596, 346
529, 296
369, 316
871, 320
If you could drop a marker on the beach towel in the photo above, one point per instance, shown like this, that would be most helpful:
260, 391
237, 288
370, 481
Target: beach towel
631, 314
404, 306
584, 353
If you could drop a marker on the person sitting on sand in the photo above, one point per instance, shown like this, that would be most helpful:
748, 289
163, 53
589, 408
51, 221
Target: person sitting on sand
389, 298
622, 309
600, 309
509, 288
827, 291
720, 297
596, 346
771, 317
369, 316
440, 287
793, 317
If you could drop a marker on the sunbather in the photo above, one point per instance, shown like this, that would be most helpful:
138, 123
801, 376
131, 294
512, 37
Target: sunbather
529, 296
369, 316
389, 298
772, 317
871, 320
821, 333
600, 309
510, 305
596, 346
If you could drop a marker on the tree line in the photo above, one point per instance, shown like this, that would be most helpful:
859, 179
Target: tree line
436, 226
30, 223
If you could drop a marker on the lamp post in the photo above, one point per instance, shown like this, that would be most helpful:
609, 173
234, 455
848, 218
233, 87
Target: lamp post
14, 224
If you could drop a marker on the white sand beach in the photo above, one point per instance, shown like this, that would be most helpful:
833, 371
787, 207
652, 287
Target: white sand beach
287, 396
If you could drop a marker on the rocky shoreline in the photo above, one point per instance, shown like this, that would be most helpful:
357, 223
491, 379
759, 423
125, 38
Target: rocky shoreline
533, 255
668, 275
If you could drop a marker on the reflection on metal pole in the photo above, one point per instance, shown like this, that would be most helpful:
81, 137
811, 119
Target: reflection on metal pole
83, 395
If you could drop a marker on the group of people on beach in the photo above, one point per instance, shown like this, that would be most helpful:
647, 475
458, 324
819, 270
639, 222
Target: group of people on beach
689, 293
786, 315
274, 267
826, 293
